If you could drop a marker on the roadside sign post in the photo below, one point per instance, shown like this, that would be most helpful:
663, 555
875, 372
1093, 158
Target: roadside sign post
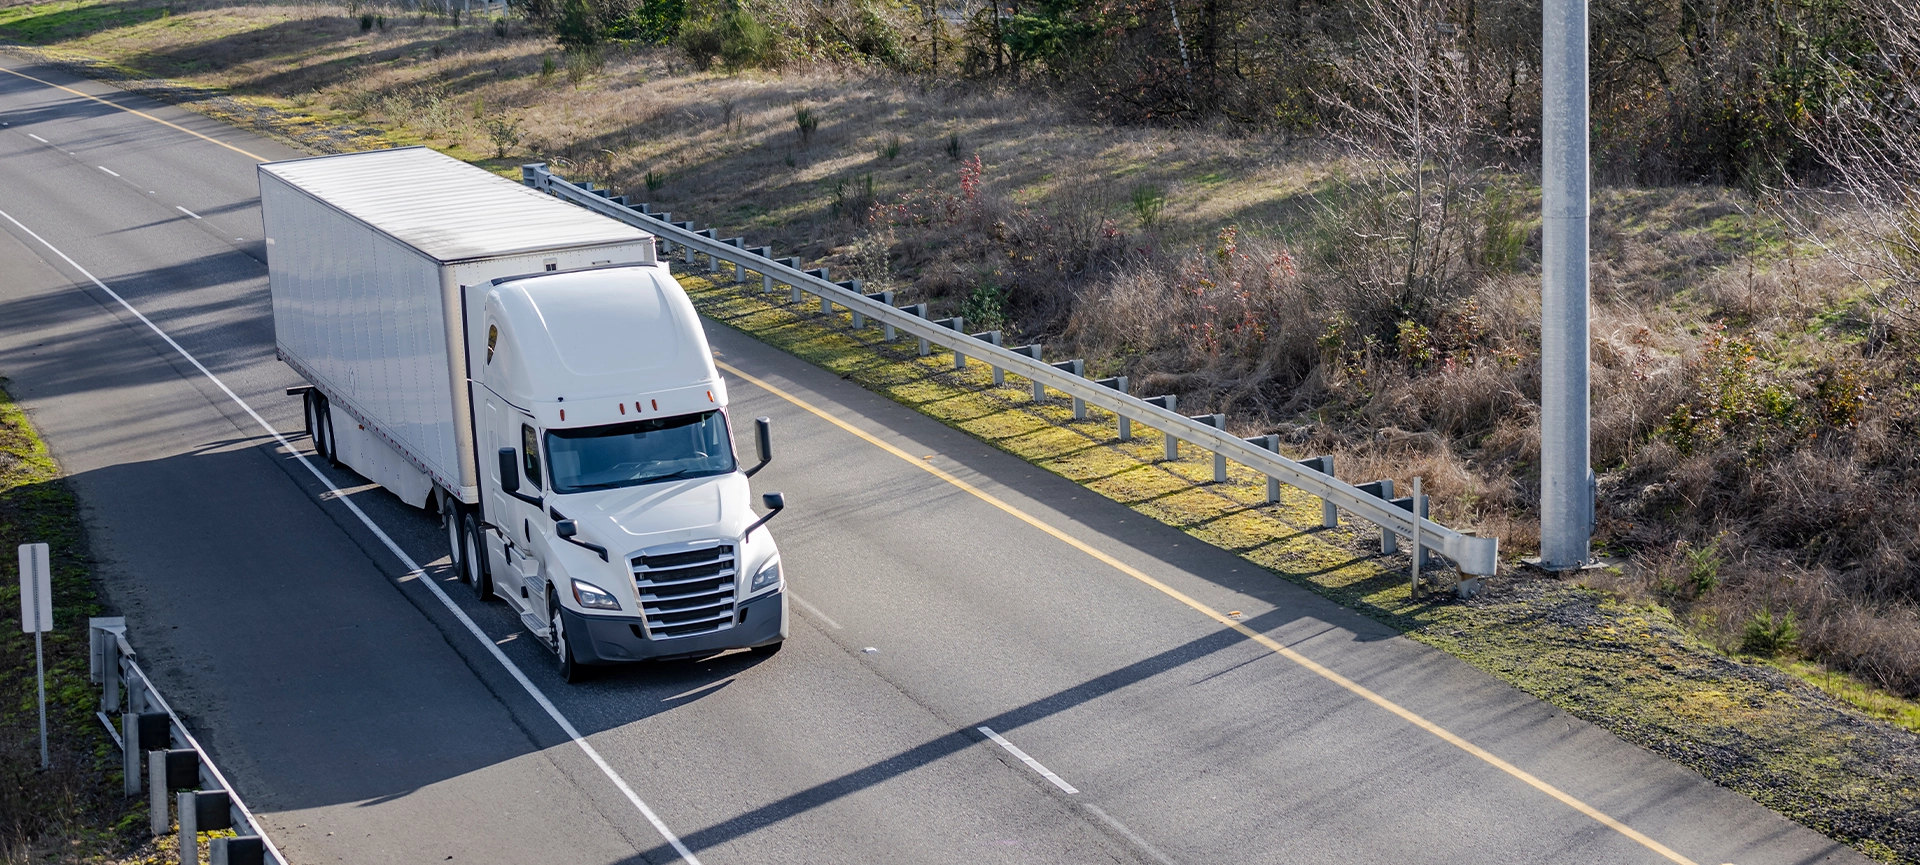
36, 618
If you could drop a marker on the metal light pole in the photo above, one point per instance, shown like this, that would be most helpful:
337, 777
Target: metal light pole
1566, 472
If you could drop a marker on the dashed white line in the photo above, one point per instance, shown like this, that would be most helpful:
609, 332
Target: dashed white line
108, 170
815, 611
1031, 763
186, 211
38, 138
413, 570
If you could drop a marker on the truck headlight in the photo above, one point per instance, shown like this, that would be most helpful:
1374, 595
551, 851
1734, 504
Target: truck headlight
593, 597
769, 575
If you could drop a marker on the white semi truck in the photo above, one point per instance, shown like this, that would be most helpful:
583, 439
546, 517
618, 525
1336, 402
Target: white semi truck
530, 371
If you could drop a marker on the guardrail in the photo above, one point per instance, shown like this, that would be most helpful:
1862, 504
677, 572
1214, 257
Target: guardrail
1396, 517
154, 742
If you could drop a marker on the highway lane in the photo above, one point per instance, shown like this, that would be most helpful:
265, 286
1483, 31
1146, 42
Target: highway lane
380, 717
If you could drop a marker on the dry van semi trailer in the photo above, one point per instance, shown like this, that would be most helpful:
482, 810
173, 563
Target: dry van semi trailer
531, 372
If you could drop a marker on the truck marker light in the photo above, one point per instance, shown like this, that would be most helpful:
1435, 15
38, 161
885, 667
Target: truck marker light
623, 408
656, 404
709, 396
563, 414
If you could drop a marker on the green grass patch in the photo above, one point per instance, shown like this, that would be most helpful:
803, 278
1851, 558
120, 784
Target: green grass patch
49, 23
1887, 706
75, 807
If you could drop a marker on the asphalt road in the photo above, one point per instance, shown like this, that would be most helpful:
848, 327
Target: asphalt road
373, 713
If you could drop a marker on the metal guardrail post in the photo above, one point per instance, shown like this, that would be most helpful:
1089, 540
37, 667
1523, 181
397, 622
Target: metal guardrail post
816, 273
1407, 504
1170, 403
1032, 350
763, 252
1474, 555
956, 323
860, 318
739, 262
157, 817
990, 337
1217, 421
1075, 367
189, 827
1269, 442
826, 303
1383, 489
1329, 513
917, 310
713, 260
767, 282
1119, 383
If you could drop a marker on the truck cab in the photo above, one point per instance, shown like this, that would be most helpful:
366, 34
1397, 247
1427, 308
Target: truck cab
614, 513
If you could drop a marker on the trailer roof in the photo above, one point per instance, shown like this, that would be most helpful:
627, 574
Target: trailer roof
445, 208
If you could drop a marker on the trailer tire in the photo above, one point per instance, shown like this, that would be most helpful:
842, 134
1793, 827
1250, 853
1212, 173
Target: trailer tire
320, 429
312, 400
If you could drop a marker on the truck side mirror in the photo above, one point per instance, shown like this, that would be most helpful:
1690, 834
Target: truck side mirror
509, 470
775, 503
763, 434
566, 529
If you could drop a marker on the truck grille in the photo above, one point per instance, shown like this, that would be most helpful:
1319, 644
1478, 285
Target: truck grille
686, 590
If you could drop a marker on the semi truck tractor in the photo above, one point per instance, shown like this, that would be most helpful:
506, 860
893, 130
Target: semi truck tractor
532, 373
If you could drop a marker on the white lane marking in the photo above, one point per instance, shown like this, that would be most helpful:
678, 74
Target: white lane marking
814, 610
413, 569
1031, 763
186, 211
1137, 840
38, 138
108, 170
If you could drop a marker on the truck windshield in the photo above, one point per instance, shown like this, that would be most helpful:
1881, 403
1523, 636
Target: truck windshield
640, 452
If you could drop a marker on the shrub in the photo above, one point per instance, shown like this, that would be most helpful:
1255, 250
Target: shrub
578, 26
1147, 201
891, 149
850, 200
1770, 636
735, 38
805, 121
505, 135
366, 22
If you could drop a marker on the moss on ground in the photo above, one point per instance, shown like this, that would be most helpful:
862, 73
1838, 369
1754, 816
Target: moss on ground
73, 812
1630, 669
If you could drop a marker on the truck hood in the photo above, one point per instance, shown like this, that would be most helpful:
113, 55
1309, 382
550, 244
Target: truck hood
634, 518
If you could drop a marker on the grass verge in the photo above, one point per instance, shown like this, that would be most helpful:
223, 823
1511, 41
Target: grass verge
73, 811
1634, 670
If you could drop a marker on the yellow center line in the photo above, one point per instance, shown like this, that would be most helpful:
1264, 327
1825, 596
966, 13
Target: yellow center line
136, 113
1356, 688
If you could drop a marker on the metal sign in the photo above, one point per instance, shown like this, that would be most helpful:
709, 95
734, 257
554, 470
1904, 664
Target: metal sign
36, 589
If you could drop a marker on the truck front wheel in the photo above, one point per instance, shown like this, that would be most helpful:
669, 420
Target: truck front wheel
477, 573
562, 645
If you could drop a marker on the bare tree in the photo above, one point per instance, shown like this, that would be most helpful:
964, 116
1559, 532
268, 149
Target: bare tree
1868, 136
1411, 112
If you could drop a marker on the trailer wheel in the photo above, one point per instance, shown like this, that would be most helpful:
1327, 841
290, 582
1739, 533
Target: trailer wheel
562, 645
314, 426
474, 557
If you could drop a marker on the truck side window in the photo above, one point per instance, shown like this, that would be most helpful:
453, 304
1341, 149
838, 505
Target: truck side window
530, 454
